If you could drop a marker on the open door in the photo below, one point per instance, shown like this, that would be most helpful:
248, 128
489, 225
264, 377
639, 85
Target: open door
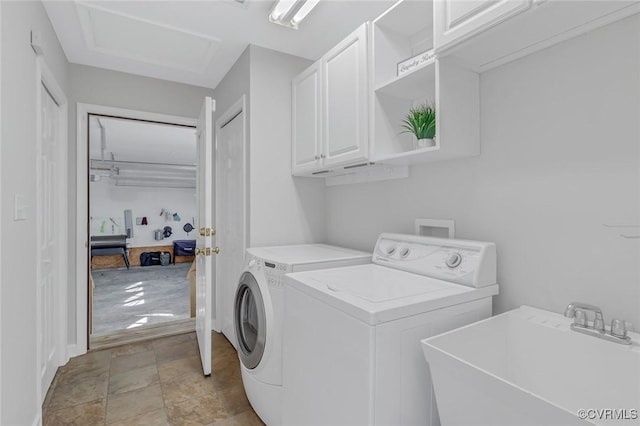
204, 247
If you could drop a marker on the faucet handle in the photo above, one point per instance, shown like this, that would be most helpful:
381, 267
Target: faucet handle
618, 328
598, 322
580, 318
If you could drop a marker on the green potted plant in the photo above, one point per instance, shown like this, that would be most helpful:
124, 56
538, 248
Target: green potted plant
421, 121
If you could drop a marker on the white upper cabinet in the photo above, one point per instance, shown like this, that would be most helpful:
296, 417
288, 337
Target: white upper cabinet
330, 112
345, 112
306, 120
485, 34
457, 20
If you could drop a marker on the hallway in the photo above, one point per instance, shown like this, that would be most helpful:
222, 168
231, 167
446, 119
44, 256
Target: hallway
157, 382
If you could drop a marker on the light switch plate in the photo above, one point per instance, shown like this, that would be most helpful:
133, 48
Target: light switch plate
19, 208
36, 42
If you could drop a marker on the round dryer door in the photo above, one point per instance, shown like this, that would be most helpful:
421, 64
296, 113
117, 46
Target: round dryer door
249, 321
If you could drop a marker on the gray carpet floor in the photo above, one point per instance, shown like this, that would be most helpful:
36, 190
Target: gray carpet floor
143, 295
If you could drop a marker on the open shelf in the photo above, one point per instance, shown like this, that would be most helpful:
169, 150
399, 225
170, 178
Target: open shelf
456, 97
402, 32
416, 84
389, 111
407, 157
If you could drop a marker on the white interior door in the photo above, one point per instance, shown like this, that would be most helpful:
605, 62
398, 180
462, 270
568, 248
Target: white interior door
230, 212
204, 253
47, 238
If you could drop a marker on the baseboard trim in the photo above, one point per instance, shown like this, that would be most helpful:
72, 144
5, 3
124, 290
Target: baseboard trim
72, 351
154, 331
38, 419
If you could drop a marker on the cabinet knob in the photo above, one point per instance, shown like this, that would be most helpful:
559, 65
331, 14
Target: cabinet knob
317, 157
322, 156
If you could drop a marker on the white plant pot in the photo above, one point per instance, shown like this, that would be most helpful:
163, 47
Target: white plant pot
426, 143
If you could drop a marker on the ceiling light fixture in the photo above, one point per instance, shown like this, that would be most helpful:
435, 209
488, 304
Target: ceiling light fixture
290, 13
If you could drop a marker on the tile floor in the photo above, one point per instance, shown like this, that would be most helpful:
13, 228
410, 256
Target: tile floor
143, 295
157, 382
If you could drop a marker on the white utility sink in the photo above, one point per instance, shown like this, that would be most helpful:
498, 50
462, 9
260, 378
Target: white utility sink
526, 367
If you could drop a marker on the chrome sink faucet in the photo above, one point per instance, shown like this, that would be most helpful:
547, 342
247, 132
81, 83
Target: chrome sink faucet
581, 321
578, 311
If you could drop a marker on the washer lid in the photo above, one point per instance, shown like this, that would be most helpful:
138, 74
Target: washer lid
381, 284
377, 294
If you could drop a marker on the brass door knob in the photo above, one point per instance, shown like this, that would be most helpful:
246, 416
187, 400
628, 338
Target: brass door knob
206, 232
207, 251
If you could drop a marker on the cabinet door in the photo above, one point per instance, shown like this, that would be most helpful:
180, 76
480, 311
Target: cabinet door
457, 20
306, 116
345, 111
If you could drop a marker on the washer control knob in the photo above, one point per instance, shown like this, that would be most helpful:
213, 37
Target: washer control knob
454, 259
252, 263
404, 251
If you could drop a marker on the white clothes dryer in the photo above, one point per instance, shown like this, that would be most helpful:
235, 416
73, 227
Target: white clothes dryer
259, 310
351, 348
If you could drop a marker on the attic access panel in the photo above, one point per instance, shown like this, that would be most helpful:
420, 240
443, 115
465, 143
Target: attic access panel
129, 37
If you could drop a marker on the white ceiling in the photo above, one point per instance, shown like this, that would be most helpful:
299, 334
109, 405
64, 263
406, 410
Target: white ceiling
138, 141
228, 25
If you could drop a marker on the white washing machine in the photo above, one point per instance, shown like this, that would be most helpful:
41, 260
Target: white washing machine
351, 348
259, 310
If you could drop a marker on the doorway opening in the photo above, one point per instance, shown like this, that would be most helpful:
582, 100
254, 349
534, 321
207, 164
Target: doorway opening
141, 231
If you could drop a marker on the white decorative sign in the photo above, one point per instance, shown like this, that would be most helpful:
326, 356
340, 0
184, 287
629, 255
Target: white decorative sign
416, 62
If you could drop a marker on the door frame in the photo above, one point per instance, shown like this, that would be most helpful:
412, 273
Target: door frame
45, 77
83, 111
238, 107
1, 209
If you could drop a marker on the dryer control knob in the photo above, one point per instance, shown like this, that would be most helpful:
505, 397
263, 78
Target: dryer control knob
454, 260
252, 263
